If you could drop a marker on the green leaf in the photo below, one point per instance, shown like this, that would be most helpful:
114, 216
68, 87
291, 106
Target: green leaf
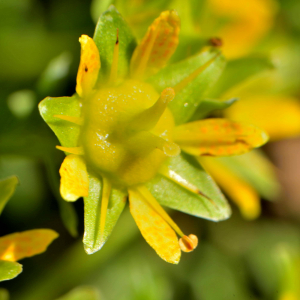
105, 38
9, 269
170, 194
207, 106
239, 70
209, 63
82, 293
7, 188
255, 168
66, 132
93, 239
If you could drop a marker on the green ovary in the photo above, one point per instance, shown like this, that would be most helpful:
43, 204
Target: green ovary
117, 146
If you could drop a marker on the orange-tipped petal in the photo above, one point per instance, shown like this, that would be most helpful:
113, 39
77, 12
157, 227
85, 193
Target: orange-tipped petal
278, 116
89, 66
74, 181
157, 46
244, 196
156, 231
16, 246
218, 137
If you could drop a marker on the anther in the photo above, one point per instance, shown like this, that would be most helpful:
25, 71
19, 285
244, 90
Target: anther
147, 119
216, 42
188, 243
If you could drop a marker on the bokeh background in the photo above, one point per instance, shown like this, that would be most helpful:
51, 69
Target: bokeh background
235, 259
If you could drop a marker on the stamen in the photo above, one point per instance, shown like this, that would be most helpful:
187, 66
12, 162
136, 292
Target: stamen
72, 150
183, 83
104, 203
75, 120
114, 66
149, 118
188, 243
143, 191
170, 174
140, 70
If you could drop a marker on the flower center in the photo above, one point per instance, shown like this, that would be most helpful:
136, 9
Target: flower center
127, 132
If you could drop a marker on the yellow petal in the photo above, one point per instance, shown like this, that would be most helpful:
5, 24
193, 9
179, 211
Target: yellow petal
288, 296
245, 197
278, 116
74, 181
218, 137
157, 46
246, 23
16, 246
156, 231
89, 66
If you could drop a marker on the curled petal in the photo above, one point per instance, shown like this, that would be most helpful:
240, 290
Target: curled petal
156, 231
278, 116
244, 196
16, 246
89, 66
74, 178
218, 137
157, 46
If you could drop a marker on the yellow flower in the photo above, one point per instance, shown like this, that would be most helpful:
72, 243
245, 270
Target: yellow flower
245, 23
127, 136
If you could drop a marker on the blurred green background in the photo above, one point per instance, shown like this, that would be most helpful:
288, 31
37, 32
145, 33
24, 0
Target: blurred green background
235, 259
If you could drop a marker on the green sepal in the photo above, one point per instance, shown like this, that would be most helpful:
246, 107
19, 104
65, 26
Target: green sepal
188, 99
239, 70
93, 240
105, 38
170, 194
66, 132
7, 188
207, 106
255, 168
9, 269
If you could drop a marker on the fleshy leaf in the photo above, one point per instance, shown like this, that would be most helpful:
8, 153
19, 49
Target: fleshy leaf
238, 71
207, 106
156, 231
105, 38
93, 240
7, 188
74, 181
255, 168
82, 293
218, 137
191, 78
66, 132
157, 46
16, 246
170, 194
9, 269
239, 191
